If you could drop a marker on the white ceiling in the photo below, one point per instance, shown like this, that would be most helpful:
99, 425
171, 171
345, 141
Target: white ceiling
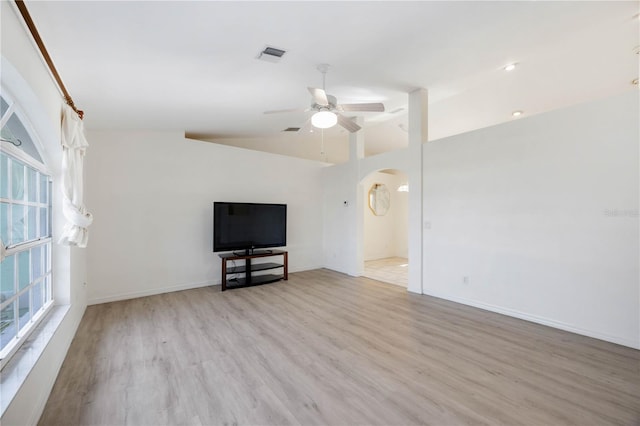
192, 65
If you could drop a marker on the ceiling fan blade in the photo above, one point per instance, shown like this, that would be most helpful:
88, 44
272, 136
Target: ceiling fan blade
278, 111
373, 107
319, 96
306, 127
348, 124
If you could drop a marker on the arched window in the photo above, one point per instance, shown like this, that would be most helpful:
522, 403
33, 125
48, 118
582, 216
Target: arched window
25, 229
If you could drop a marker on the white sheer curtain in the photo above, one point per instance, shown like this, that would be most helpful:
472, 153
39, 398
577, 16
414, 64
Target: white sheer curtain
74, 144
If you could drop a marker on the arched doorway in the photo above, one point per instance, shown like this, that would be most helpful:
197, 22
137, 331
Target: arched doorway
385, 226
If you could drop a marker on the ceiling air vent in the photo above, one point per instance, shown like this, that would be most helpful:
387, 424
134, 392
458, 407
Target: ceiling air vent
271, 54
292, 129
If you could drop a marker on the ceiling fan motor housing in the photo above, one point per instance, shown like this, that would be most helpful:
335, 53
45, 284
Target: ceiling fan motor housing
332, 104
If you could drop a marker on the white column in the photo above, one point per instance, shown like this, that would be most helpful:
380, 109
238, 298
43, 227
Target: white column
356, 237
356, 143
418, 121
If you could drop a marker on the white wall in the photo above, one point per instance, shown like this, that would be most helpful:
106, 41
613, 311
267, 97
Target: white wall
340, 214
343, 212
152, 195
401, 213
343, 247
541, 215
386, 236
24, 72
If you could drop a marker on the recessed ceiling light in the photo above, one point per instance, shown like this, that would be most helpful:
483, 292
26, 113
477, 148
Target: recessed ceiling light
510, 67
635, 81
516, 113
636, 50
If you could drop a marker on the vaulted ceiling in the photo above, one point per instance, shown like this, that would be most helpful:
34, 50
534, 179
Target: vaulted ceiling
193, 65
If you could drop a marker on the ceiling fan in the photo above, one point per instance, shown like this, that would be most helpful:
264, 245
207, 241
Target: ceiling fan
327, 110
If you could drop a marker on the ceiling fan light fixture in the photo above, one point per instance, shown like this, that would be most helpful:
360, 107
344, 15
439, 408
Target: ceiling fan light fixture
324, 119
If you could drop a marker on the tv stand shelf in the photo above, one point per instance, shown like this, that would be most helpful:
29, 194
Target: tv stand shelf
249, 268
254, 267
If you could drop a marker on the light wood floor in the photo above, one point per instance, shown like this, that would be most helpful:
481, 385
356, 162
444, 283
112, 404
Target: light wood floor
324, 348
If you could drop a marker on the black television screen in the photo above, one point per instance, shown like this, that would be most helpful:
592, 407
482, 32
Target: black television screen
247, 226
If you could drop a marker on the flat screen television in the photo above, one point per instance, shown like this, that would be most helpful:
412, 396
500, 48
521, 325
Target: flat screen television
248, 226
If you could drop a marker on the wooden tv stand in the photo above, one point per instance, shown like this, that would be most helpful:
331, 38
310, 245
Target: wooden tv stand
248, 268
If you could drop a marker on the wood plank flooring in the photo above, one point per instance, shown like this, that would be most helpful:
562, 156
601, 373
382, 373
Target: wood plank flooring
327, 349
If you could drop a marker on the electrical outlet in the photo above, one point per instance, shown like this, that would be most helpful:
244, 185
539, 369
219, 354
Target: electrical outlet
465, 280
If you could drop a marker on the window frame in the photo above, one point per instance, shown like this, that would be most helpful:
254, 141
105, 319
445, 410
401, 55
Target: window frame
46, 276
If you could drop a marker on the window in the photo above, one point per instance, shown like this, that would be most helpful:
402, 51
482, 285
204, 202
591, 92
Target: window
25, 231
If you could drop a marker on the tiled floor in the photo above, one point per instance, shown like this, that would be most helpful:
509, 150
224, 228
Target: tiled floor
392, 270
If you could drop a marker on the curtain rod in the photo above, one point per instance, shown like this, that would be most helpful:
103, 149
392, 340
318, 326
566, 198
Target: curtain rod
43, 50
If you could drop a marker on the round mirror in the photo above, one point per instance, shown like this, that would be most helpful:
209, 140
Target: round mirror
379, 199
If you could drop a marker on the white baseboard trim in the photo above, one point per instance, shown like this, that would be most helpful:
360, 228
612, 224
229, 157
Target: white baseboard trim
150, 292
304, 268
539, 320
161, 290
469, 302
